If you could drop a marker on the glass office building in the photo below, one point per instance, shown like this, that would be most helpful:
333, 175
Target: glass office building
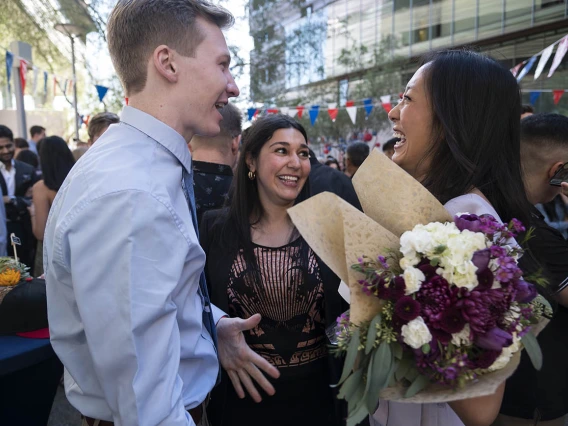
510, 30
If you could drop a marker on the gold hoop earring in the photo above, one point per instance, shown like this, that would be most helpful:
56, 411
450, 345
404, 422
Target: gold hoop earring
251, 175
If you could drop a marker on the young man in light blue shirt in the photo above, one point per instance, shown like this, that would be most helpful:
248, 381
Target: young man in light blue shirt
128, 307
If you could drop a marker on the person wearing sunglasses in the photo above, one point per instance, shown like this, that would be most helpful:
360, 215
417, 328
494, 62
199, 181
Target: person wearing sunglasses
540, 397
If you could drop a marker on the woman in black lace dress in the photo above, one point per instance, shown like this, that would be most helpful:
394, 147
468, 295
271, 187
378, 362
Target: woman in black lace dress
258, 263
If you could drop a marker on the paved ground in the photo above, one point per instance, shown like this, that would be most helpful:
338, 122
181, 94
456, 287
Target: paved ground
62, 413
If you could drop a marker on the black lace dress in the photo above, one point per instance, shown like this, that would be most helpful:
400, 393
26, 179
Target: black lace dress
287, 290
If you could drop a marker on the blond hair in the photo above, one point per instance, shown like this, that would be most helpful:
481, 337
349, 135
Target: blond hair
136, 27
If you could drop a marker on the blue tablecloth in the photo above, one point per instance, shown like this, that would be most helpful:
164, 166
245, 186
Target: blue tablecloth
17, 353
29, 374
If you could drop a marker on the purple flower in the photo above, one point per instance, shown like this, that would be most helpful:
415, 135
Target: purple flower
441, 335
497, 251
485, 279
525, 292
383, 261
470, 222
481, 259
517, 225
406, 308
482, 309
495, 339
452, 321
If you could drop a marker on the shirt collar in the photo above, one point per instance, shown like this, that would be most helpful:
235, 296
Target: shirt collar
3, 166
160, 132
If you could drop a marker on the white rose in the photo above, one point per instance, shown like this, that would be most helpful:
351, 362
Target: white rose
416, 334
408, 262
413, 278
418, 240
462, 338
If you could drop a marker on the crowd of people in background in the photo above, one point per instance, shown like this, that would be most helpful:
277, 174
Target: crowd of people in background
32, 171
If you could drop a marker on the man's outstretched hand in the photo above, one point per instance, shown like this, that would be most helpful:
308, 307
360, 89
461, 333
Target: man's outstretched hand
241, 362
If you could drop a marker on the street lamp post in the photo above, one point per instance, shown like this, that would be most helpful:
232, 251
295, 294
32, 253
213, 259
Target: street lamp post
73, 31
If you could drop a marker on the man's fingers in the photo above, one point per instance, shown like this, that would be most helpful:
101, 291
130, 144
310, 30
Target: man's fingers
565, 188
250, 323
236, 383
249, 386
264, 365
259, 378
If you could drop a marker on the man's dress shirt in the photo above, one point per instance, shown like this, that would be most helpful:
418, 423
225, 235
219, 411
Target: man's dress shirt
122, 264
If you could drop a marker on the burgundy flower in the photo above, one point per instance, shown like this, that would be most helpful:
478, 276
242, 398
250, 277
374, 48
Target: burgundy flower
452, 321
495, 339
483, 359
427, 269
470, 222
406, 308
525, 292
435, 296
441, 335
482, 309
397, 287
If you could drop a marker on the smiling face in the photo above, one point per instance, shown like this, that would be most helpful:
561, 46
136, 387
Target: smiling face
412, 122
206, 83
281, 168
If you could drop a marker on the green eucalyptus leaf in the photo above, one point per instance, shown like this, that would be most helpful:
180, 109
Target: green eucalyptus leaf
351, 356
350, 385
403, 367
411, 374
533, 349
357, 399
372, 334
397, 350
357, 416
378, 374
417, 385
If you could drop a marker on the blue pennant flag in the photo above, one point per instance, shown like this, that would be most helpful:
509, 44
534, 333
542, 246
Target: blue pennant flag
368, 105
45, 83
251, 112
526, 69
314, 111
533, 97
9, 63
102, 91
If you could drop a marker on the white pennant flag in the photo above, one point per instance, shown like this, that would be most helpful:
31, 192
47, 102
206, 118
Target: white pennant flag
285, 110
352, 111
289, 111
34, 87
560, 52
546, 53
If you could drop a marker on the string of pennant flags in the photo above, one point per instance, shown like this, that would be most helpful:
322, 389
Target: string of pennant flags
522, 69
65, 84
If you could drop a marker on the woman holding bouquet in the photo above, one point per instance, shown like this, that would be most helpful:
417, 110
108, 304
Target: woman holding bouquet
258, 263
459, 129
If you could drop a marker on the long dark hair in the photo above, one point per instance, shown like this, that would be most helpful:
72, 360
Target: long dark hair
56, 161
477, 108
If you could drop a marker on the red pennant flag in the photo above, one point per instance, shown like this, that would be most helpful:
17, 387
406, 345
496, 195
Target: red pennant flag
23, 70
332, 111
557, 95
272, 111
256, 113
349, 103
86, 120
515, 70
300, 110
386, 102
126, 101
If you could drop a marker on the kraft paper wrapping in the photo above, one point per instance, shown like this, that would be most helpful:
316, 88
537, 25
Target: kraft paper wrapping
393, 198
339, 234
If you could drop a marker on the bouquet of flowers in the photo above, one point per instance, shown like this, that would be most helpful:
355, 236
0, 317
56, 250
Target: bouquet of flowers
437, 314
11, 273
